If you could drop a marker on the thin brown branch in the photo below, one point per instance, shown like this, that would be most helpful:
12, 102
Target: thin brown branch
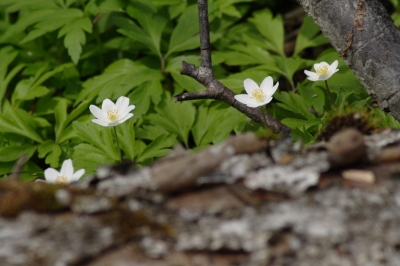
215, 89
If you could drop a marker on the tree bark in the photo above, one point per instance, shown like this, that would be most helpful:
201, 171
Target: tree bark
365, 36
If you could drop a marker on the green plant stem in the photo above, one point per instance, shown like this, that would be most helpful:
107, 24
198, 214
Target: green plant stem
265, 119
330, 94
119, 148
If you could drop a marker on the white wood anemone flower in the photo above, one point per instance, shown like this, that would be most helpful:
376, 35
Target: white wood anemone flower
112, 114
66, 174
323, 71
257, 95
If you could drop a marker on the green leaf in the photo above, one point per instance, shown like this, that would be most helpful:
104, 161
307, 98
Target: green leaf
230, 120
89, 157
303, 134
126, 137
314, 96
158, 148
118, 79
7, 55
53, 21
271, 28
73, 41
19, 122
152, 26
294, 103
177, 118
144, 96
309, 36
51, 151
184, 36
13, 153
100, 137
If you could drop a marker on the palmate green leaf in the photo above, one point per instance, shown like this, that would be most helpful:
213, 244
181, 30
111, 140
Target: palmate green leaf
176, 118
295, 123
309, 36
302, 134
24, 21
118, 79
13, 153
290, 65
184, 36
126, 137
271, 28
145, 95
19, 122
17, 5
158, 148
75, 38
53, 21
89, 157
98, 136
314, 96
294, 103
149, 132
28, 89
228, 123
208, 119
51, 151
7, 55
152, 26
63, 119
239, 55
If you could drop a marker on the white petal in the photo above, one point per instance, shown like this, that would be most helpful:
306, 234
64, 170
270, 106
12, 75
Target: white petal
126, 111
126, 117
323, 64
67, 169
97, 112
311, 75
250, 85
122, 103
255, 104
77, 175
316, 66
267, 84
101, 122
50, 174
244, 98
271, 91
324, 76
267, 100
107, 105
333, 67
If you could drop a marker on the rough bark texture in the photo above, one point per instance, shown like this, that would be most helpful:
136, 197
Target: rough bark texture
364, 34
262, 202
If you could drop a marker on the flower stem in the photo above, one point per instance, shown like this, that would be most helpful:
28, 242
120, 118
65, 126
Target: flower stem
119, 148
265, 119
330, 94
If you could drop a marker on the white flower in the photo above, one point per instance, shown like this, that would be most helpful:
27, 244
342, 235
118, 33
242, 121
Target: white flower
323, 71
66, 174
257, 96
112, 114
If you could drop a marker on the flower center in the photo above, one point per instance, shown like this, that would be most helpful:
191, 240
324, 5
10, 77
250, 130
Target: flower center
112, 115
322, 70
61, 180
258, 95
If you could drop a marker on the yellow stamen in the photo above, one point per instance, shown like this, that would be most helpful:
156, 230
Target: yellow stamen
61, 180
258, 95
112, 115
322, 70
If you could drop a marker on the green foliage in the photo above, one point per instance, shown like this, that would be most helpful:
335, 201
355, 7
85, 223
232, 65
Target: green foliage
59, 56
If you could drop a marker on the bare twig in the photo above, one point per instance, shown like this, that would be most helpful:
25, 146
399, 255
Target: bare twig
215, 89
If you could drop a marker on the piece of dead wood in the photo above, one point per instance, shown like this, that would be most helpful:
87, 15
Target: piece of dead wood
184, 171
359, 175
